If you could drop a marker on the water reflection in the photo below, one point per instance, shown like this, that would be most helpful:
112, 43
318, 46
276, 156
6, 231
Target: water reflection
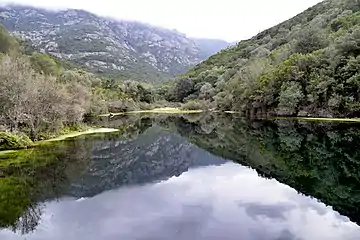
195, 205
167, 178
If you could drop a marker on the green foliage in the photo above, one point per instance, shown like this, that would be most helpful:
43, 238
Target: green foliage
43, 63
10, 141
290, 97
345, 22
310, 40
183, 88
7, 43
195, 105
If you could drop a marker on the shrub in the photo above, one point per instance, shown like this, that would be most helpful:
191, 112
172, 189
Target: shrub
9, 141
195, 105
145, 106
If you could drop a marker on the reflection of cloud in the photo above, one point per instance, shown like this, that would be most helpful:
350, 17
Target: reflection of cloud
255, 210
200, 204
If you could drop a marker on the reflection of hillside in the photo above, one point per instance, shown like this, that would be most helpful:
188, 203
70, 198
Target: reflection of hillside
320, 160
154, 155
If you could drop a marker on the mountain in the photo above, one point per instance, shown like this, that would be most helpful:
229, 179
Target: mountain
127, 49
306, 66
211, 46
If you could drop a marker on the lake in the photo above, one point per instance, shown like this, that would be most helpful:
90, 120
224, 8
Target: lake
191, 177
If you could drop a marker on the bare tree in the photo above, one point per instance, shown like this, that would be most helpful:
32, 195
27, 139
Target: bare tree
14, 81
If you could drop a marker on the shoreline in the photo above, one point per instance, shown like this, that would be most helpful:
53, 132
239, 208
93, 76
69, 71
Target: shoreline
77, 134
61, 137
166, 110
319, 119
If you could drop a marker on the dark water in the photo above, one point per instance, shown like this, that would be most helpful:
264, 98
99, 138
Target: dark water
195, 177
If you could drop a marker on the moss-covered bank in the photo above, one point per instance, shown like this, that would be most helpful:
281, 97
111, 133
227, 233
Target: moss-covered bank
10, 141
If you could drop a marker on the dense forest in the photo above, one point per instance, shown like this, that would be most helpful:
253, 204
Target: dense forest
306, 66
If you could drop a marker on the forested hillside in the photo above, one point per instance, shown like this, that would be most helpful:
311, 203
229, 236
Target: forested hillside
306, 66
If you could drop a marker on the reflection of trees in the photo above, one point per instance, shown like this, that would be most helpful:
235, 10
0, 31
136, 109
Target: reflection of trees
29, 220
30, 177
317, 159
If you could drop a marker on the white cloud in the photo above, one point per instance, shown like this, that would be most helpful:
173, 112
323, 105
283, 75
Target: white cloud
226, 19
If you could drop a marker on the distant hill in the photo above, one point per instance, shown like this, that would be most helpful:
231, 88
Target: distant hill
130, 50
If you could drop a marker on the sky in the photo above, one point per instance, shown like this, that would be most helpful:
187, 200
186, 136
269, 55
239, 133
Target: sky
230, 20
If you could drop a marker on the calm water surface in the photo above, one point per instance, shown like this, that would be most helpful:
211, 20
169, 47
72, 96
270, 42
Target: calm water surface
194, 177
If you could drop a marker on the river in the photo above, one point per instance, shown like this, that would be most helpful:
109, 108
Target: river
192, 177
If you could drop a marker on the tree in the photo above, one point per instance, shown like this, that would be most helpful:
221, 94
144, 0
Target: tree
183, 88
349, 45
15, 80
310, 40
207, 92
145, 94
7, 43
290, 97
46, 104
43, 63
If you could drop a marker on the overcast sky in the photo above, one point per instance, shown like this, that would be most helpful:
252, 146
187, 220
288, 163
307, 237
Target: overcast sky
224, 19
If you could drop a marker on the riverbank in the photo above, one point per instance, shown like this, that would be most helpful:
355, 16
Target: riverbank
77, 134
10, 142
349, 120
166, 110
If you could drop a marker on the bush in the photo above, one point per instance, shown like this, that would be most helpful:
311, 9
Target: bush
164, 103
9, 141
195, 105
145, 106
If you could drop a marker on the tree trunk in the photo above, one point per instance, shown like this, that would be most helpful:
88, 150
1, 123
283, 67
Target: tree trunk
32, 135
